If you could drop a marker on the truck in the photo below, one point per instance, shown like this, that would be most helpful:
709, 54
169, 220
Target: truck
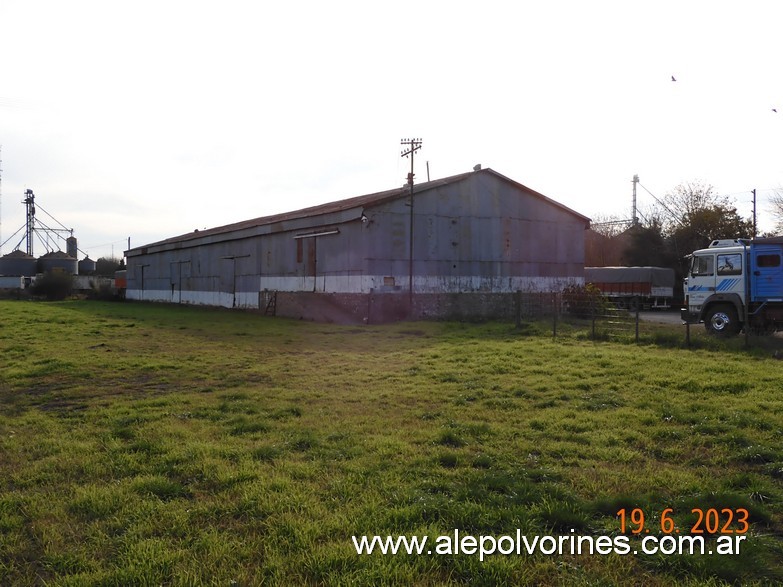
735, 284
633, 288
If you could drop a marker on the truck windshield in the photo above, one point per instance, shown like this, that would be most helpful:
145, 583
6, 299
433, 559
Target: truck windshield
702, 265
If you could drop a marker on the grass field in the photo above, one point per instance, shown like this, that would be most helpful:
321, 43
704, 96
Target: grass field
150, 444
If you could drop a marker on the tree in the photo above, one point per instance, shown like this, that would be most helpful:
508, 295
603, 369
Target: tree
106, 266
700, 227
687, 199
776, 203
602, 246
608, 225
693, 215
648, 246
53, 285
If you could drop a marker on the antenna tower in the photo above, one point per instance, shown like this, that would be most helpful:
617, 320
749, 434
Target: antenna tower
634, 215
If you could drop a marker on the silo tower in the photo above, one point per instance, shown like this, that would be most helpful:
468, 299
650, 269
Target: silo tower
45, 232
71, 248
29, 202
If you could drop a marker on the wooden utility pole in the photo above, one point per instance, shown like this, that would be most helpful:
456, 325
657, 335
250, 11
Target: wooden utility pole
412, 145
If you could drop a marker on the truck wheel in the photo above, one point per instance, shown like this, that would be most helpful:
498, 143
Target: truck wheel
722, 321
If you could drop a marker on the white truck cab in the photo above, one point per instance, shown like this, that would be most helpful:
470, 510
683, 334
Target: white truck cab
736, 283
715, 288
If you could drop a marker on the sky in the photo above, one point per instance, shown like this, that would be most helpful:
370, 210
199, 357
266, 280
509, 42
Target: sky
148, 119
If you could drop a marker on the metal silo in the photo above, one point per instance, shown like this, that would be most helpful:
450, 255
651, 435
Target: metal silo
58, 261
87, 266
71, 247
18, 263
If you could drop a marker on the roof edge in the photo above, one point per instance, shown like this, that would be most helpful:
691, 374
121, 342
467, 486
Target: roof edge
374, 198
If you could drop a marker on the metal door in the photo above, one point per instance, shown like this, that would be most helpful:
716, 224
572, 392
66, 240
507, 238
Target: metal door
767, 269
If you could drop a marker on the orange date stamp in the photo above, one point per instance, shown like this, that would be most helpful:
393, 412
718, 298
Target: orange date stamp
708, 521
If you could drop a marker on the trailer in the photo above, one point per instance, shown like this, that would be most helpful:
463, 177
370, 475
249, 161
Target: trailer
120, 283
634, 288
735, 284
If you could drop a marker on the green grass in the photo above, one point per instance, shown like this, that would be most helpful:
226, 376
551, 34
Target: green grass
149, 444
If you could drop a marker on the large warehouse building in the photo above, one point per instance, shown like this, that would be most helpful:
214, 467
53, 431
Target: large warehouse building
477, 238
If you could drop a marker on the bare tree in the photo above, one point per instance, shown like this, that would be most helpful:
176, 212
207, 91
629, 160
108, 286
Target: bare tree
601, 246
776, 209
687, 200
608, 225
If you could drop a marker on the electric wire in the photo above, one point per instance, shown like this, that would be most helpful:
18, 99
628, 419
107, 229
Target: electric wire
669, 210
12, 236
53, 218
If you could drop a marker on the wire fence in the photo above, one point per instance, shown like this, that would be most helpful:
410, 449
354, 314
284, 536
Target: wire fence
584, 312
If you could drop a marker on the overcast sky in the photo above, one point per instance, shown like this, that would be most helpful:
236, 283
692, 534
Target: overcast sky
148, 119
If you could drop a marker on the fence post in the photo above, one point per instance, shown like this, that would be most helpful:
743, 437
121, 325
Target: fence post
591, 299
637, 324
747, 328
518, 299
555, 310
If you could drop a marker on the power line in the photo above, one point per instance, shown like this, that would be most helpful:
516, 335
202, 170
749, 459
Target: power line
673, 215
21, 228
91, 246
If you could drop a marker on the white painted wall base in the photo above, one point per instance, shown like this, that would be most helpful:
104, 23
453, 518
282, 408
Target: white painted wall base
358, 285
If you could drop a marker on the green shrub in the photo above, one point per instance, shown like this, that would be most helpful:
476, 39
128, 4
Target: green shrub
53, 285
101, 291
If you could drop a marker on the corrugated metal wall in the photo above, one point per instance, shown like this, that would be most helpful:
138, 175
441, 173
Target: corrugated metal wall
478, 234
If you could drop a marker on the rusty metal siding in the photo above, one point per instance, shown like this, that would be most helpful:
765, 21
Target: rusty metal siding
487, 228
480, 233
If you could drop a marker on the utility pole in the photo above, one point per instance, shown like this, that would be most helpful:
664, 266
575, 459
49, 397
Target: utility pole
634, 216
412, 145
754, 212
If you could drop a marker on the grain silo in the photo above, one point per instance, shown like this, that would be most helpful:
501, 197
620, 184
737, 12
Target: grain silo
58, 261
71, 248
24, 263
87, 266
18, 263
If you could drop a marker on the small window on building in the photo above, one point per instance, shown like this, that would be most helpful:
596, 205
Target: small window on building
768, 260
702, 265
730, 264
299, 251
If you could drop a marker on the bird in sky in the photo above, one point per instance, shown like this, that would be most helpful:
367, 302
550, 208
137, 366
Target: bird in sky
674, 79
774, 110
